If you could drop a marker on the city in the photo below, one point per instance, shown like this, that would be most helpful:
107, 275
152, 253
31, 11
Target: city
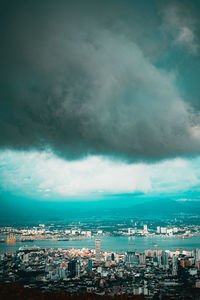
155, 272
41, 257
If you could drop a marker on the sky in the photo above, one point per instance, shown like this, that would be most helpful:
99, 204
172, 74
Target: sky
99, 99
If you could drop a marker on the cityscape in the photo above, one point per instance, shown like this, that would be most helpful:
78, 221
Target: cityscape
154, 272
100, 150
150, 272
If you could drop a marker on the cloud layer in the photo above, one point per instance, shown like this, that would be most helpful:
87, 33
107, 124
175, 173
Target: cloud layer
44, 176
82, 78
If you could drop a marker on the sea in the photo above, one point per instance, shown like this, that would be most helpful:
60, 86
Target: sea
119, 244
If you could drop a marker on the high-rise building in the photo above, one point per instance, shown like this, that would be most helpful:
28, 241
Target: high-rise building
74, 268
196, 254
89, 266
159, 260
142, 259
112, 256
145, 229
78, 268
98, 249
131, 259
165, 259
174, 265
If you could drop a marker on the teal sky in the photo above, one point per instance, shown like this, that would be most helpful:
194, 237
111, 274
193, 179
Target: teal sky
99, 100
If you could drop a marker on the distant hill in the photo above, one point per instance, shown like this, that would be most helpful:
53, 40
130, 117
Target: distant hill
161, 207
16, 210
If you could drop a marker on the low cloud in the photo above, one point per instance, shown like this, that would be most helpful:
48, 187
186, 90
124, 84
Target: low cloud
80, 83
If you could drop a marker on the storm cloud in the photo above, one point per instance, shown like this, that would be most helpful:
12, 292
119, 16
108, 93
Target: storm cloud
87, 77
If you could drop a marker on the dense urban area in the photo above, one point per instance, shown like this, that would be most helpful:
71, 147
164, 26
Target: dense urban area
154, 272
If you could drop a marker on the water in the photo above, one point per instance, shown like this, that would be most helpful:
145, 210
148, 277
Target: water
117, 244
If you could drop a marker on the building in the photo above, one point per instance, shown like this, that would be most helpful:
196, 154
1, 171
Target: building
158, 229
78, 268
152, 253
174, 265
61, 272
196, 254
163, 230
145, 229
131, 259
165, 259
98, 249
89, 266
142, 259
112, 256
74, 268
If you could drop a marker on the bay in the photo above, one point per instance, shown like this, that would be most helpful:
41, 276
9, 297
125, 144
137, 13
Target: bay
119, 244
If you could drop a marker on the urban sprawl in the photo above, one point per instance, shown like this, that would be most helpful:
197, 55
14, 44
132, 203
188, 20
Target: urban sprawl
163, 272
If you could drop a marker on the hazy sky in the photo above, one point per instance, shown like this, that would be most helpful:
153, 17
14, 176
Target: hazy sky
99, 98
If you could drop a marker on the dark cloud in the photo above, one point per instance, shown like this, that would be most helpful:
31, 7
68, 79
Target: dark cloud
82, 77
